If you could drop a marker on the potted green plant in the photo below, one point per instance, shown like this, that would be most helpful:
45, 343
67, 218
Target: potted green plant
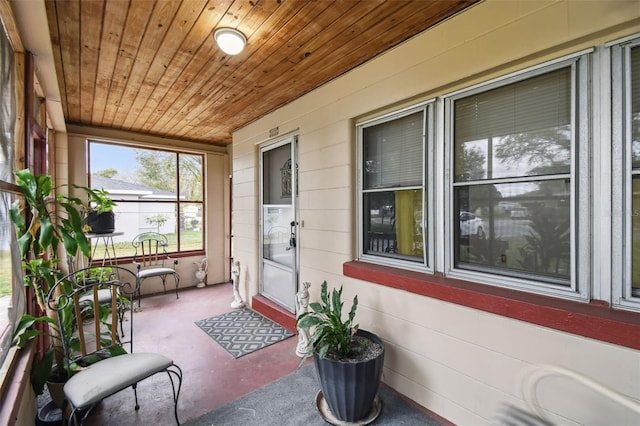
348, 360
95, 274
98, 211
51, 227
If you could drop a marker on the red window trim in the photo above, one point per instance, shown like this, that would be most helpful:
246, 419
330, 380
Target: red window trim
596, 320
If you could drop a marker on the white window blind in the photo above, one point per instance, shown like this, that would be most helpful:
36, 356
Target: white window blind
393, 153
520, 128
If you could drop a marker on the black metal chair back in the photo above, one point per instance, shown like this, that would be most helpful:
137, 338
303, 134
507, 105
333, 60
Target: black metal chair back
88, 304
152, 260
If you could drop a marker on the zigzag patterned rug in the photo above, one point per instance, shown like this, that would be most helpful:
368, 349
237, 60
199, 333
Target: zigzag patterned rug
243, 331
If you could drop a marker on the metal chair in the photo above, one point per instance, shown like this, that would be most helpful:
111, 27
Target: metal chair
104, 294
94, 353
152, 260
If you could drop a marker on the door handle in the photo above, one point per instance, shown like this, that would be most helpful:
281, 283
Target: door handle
292, 237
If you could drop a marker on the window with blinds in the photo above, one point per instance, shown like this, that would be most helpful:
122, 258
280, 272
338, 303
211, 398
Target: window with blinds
392, 187
512, 156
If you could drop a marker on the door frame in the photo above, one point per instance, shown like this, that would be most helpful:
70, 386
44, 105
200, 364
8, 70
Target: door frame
291, 139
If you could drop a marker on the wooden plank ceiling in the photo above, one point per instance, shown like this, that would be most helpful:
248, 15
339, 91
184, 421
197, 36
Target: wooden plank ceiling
153, 67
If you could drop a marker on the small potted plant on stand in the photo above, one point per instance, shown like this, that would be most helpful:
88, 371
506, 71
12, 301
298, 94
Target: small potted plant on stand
349, 361
99, 216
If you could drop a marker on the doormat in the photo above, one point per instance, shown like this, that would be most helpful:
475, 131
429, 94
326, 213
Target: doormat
243, 331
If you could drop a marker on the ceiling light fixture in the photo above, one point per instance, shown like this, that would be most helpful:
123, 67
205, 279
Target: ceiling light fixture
230, 40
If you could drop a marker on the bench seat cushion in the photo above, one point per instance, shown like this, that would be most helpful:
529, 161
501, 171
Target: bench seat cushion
104, 296
154, 272
111, 375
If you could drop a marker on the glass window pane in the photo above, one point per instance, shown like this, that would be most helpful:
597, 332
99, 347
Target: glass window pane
515, 228
135, 218
393, 224
161, 218
11, 301
191, 227
277, 179
523, 129
392, 152
6, 271
7, 109
277, 231
191, 177
635, 235
144, 184
143, 173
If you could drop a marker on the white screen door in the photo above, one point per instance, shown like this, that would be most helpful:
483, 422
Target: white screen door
279, 220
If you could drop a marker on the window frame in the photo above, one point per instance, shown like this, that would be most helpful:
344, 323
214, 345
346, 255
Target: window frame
617, 56
177, 201
427, 187
10, 193
579, 282
17, 306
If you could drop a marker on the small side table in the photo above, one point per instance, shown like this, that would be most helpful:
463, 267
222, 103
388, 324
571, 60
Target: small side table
109, 249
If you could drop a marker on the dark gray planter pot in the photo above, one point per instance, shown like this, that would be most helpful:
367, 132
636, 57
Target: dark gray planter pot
103, 223
350, 388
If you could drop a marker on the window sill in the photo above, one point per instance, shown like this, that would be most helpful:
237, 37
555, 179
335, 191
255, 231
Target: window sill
15, 382
595, 320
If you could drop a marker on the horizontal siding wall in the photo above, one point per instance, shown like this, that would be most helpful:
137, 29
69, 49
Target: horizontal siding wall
459, 362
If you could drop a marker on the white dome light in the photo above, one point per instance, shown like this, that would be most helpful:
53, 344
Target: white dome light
230, 40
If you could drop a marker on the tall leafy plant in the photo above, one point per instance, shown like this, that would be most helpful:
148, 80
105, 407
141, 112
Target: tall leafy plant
47, 226
331, 335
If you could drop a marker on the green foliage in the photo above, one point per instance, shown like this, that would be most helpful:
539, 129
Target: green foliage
99, 201
47, 232
98, 273
23, 333
547, 249
108, 173
41, 371
331, 334
53, 225
157, 169
41, 368
157, 220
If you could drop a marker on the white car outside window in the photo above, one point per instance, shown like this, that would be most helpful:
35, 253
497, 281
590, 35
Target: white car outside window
470, 224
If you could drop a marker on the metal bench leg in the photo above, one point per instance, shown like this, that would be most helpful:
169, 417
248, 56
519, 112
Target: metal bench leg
176, 371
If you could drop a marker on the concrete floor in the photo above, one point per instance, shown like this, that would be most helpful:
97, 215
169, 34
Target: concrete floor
211, 377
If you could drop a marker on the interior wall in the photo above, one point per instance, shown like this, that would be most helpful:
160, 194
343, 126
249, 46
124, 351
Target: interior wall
456, 361
71, 168
217, 236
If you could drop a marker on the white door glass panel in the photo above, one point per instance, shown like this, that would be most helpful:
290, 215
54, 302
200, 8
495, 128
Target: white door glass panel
276, 240
279, 225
